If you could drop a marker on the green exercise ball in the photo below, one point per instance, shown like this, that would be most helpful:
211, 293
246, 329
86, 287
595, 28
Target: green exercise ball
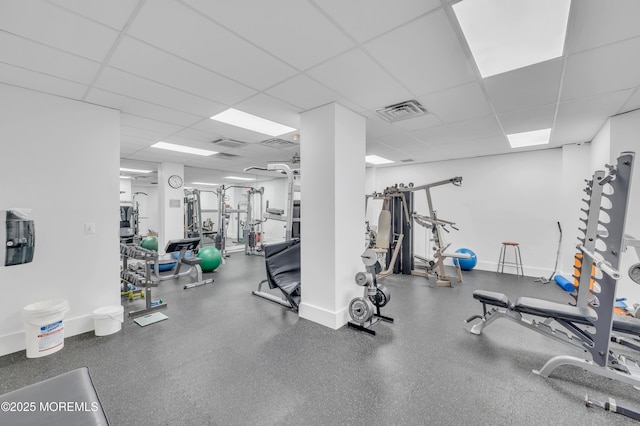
211, 258
150, 243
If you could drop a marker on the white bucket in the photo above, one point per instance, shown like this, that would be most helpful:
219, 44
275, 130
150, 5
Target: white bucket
44, 327
108, 320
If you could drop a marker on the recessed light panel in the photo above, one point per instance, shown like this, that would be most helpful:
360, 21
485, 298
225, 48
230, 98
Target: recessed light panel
182, 148
205, 183
252, 122
504, 35
374, 159
533, 138
238, 178
124, 169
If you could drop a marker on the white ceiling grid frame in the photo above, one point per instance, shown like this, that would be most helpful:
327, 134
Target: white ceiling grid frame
273, 109
353, 74
583, 117
40, 58
459, 103
147, 61
524, 88
113, 13
291, 35
366, 19
441, 64
147, 124
304, 93
132, 86
178, 29
52, 26
477, 128
598, 23
525, 120
23, 77
604, 69
141, 108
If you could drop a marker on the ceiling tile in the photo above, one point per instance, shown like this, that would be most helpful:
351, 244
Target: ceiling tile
36, 57
354, 74
401, 141
303, 92
606, 69
528, 119
148, 124
438, 135
149, 135
526, 87
114, 13
138, 142
268, 107
176, 28
365, 19
295, 41
457, 104
431, 57
141, 108
116, 81
146, 61
198, 135
580, 120
378, 148
41, 82
597, 23
50, 25
485, 127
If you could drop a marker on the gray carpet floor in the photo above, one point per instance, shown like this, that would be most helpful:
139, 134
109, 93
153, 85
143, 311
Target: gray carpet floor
225, 357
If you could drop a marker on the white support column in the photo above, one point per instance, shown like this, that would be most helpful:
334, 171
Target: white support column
332, 212
170, 205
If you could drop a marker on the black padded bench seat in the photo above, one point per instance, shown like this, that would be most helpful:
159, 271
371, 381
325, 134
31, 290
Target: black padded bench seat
626, 324
492, 298
68, 399
544, 308
538, 307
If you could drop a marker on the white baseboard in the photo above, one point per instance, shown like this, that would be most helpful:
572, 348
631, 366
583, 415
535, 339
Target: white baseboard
333, 320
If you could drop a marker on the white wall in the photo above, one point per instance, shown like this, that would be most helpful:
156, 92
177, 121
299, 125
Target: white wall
48, 145
514, 197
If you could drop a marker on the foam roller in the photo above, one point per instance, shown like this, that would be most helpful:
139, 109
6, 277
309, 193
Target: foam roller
564, 283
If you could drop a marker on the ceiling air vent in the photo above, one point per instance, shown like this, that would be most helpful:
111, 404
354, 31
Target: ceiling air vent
408, 160
226, 156
278, 143
228, 143
402, 111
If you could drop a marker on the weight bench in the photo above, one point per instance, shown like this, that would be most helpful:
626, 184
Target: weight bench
68, 399
182, 247
282, 262
588, 328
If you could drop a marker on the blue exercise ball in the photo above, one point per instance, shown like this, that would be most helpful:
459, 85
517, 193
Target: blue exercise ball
466, 264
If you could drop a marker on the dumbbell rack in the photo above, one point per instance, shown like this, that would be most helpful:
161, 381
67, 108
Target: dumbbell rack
141, 279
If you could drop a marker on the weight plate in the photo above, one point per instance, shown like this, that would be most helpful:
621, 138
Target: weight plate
363, 278
369, 257
634, 273
361, 310
381, 297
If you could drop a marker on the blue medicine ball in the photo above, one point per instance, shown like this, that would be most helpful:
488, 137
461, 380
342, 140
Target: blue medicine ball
466, 264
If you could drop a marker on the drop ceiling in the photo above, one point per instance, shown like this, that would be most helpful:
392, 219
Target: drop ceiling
168, 65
